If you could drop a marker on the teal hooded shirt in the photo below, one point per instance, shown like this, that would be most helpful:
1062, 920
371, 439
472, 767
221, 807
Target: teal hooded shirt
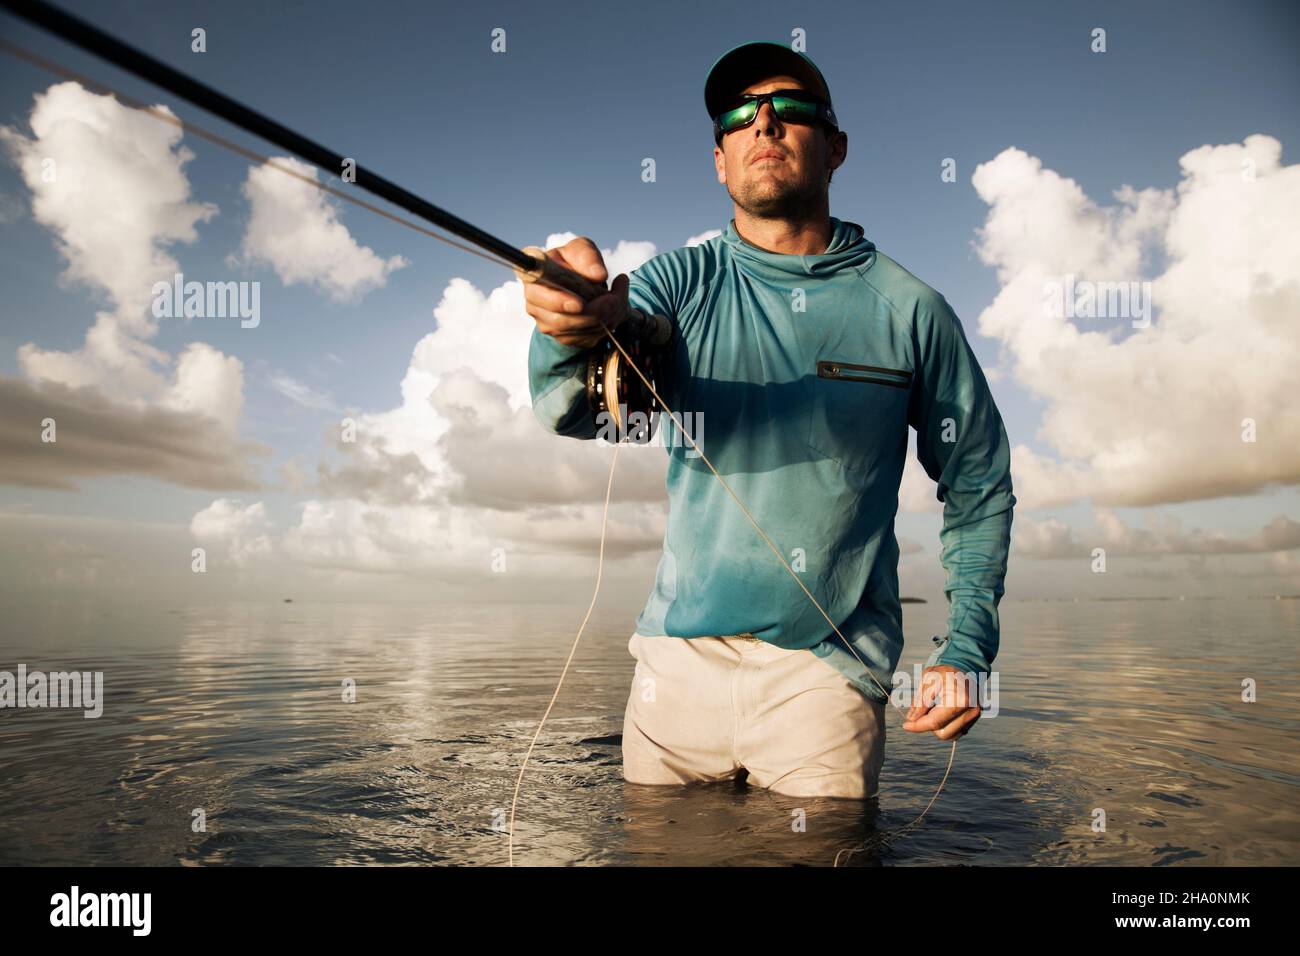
802, 374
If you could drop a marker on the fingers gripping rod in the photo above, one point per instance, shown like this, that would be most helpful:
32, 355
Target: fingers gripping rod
654, 330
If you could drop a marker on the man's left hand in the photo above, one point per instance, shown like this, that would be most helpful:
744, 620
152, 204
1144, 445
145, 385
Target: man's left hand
943, 704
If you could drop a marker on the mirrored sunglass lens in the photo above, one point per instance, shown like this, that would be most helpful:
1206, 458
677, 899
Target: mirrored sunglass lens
737, 117
789, 108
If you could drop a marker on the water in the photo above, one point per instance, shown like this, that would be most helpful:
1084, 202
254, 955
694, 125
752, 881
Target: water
1133, 707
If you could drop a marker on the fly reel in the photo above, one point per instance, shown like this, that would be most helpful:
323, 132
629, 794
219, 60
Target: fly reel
623, 408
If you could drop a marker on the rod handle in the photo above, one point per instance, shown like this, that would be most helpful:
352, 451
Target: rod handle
655, 330
550, 271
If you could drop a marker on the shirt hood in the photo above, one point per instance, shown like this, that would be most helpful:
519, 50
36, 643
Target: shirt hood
848, 249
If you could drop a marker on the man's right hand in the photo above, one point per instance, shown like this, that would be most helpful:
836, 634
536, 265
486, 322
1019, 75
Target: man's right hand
565, 316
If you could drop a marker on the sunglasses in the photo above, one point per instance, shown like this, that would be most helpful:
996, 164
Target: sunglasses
790, 106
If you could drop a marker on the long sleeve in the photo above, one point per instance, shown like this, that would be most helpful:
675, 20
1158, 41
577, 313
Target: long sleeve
557, 382
962, 444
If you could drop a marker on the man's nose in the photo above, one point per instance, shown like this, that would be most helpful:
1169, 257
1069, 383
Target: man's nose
767, 117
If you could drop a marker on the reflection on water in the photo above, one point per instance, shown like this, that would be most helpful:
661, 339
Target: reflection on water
1130, 707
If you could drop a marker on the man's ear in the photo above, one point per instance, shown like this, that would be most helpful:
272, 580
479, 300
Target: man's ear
837, 140
720, 162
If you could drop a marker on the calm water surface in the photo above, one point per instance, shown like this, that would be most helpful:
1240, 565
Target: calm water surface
1133, 707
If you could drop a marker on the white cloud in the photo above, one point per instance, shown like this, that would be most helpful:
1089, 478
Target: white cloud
917, 490
487, 336
1046, 538
97, 437
117, 197
703, 237
490, 335
1145, 416
294, 228
1160, 534
461, 467
486, 440
1164, 534
241, 531
209, 383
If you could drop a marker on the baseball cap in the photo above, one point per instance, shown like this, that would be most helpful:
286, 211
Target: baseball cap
751, 62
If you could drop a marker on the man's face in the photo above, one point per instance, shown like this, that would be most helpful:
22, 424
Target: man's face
786, 185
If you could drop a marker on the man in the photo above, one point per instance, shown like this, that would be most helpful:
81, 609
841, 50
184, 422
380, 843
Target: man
809, 353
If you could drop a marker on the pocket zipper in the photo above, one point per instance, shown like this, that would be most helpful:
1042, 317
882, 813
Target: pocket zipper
844, 372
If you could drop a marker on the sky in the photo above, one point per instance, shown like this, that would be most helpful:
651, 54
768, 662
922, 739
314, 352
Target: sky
1166, 160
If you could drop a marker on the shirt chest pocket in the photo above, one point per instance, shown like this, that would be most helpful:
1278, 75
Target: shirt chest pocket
857, 413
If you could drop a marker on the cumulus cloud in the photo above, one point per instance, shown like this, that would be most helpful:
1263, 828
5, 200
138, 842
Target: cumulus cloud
1164, 534
463, 543
486, 440
208, 383
462, 462
1045, 538
471, 374
489, 333
703, 237
294, 228
475, 460
109, 183
917, 490
1140, 416
240, 531
1161, 535
371, 473
95, 437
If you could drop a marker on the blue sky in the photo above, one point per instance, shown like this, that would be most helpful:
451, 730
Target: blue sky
549, 138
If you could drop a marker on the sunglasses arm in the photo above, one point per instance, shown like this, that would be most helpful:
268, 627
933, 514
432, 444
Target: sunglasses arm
654, 330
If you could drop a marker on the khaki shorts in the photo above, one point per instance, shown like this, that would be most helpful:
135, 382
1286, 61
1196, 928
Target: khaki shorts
704, 708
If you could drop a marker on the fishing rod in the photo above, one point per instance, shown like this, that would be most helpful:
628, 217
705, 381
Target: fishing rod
611, 390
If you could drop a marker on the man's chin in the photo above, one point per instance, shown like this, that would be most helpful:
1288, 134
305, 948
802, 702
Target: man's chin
782, 205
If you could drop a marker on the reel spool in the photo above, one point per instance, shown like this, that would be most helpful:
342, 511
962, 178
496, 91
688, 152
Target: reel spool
622, 407
615, 393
